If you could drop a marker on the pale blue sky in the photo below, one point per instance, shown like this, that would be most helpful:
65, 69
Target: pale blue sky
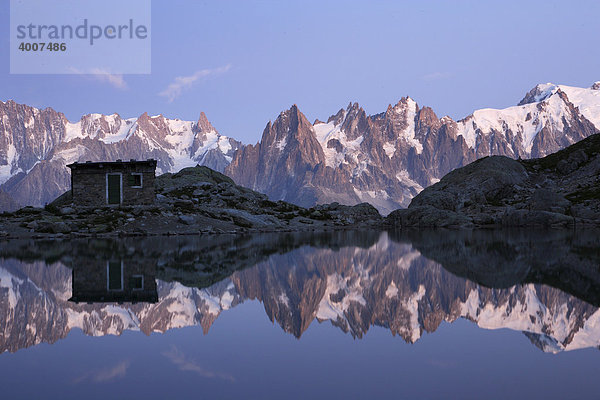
253, 59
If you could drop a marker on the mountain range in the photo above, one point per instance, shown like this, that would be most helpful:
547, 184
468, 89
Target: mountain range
35, 146
384, 159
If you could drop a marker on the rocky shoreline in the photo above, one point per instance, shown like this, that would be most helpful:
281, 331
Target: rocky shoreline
193, 201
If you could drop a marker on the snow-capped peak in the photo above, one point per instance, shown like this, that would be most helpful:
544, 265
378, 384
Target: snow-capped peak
539, 93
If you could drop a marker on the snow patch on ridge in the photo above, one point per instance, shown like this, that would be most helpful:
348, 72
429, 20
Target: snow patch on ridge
9, 281
334, 309
6, 170
588, 335
404, 177
412, 306
280, 144
368, 195
224, 145
73, 154
587, 100
126, 128
392, 290
326, 132
389, 149
408, 134
180, 138
30, 122
72, 131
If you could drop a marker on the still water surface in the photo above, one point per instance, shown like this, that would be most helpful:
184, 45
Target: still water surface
416, 315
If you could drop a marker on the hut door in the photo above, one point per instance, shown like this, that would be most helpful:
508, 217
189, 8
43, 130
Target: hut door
114, 271
113, 188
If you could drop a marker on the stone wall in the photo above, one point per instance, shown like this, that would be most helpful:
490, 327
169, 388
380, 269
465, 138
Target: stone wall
88, 183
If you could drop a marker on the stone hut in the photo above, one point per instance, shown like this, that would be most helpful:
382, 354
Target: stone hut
114, 280
113, 183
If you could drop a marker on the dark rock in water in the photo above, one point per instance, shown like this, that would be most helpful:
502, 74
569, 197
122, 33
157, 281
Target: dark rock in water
559, 190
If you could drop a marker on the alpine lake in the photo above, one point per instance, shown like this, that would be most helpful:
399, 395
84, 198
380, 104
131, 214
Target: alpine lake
441, 314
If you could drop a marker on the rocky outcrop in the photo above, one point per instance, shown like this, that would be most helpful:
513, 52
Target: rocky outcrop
561, 189
193, 201
279, 164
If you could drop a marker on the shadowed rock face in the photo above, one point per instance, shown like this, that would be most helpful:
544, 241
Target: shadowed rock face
558, 190
545, 284
7, 203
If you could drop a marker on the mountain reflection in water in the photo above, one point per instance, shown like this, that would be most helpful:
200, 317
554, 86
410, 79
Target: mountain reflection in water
545, 283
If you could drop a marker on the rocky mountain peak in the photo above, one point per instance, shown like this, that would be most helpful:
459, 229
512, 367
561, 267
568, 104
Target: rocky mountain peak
561, 94
539, 93
289, 125
203, 125
98, 125
355, 122
426, 122
404, 106
144, 117
404, 101
338, 117
354, 110
155, 128
427, 115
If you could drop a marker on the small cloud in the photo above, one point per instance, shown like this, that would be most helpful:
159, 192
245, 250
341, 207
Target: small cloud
435, 76
185, 364
102, 75
183, 82
105, 374
115, 80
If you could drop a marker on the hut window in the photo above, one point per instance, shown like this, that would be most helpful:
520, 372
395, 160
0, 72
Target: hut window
135, 180
136, 282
